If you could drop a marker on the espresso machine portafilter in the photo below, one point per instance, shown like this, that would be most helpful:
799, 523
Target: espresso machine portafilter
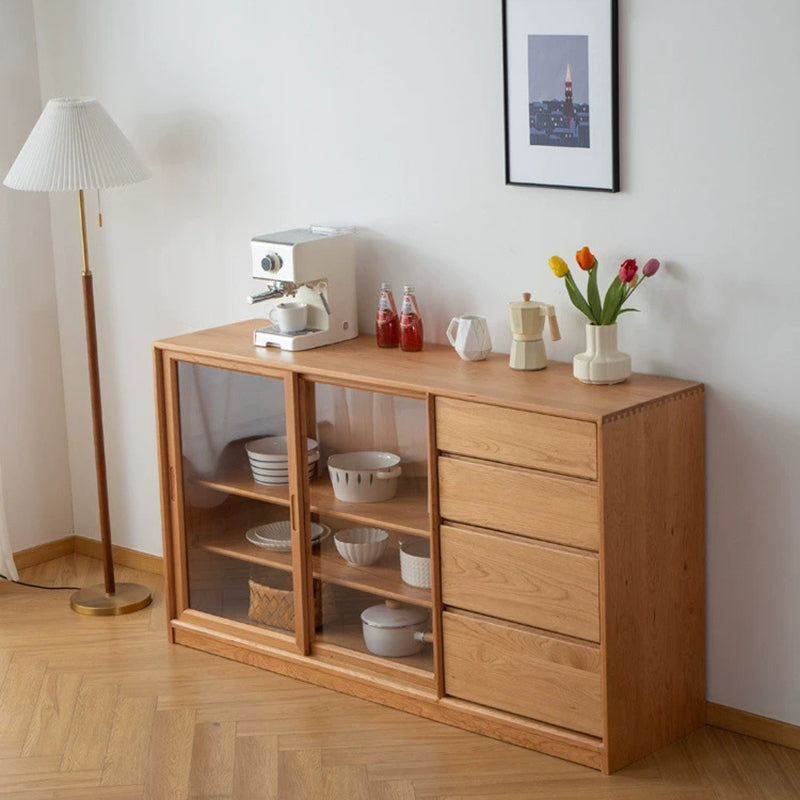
310, 268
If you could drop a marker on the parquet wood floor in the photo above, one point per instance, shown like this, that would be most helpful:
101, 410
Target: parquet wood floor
105, 709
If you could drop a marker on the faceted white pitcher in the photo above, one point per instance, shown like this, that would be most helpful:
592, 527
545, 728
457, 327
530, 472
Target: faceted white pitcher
470, 337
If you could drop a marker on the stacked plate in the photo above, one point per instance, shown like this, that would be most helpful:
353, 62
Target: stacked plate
269, 459
277, 536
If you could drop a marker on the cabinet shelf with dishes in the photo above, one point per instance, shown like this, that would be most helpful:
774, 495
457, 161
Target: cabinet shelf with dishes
406, 512
564, 525
381, 579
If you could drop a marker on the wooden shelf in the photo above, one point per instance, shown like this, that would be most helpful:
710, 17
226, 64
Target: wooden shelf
381, 579
406, 512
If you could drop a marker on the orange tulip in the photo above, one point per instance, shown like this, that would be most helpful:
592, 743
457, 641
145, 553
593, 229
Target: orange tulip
585, 258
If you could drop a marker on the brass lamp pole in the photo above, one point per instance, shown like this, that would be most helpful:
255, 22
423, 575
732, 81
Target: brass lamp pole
75, 145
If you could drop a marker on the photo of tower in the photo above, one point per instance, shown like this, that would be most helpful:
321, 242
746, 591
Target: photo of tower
558, 90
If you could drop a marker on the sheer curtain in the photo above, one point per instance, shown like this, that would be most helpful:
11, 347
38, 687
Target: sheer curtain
7, 566
219, 407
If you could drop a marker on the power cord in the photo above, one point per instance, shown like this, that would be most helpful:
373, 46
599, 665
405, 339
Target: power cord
37, 586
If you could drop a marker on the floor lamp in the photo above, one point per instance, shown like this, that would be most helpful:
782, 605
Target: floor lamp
74, 146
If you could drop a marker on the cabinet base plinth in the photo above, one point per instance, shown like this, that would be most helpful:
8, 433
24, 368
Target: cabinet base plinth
530, 734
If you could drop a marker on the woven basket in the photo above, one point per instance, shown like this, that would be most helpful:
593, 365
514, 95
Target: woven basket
274, 605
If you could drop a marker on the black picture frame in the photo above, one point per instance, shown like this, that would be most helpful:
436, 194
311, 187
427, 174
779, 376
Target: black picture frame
569, 143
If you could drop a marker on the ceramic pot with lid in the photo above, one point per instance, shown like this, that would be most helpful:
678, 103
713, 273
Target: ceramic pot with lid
393, 630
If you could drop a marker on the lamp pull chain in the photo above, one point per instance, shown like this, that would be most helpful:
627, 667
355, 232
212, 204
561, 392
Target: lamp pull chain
99, 211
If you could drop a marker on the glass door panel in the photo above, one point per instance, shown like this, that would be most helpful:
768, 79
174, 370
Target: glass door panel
370, 496
236, 517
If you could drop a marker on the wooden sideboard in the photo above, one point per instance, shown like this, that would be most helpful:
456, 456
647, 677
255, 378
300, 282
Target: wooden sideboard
565, 521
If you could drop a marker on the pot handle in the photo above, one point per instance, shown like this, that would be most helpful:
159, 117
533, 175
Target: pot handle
451, 329
555, 333
423, 636
385, 474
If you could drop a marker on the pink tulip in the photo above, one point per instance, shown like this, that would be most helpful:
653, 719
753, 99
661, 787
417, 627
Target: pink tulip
627, 271
650, 268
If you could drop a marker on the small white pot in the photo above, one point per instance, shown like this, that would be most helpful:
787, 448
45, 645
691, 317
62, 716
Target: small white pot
394, 632
364, 477
602, 362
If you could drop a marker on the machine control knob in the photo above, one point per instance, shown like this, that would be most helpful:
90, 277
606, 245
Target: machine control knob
271, 262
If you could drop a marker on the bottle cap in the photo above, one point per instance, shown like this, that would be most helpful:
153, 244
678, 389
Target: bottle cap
386, 286
409, 289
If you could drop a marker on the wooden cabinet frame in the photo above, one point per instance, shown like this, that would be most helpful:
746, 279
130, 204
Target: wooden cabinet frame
648, 476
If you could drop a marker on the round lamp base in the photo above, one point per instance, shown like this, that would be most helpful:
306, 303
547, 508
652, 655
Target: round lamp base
127, 598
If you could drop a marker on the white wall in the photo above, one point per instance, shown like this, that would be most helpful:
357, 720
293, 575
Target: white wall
256, 116
33, 443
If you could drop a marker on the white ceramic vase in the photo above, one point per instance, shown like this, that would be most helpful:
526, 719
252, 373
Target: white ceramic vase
602, 362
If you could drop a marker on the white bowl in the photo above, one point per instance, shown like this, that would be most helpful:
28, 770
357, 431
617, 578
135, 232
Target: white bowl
361, 546
415, 563
276, 473
270, 479
273, 448
364, 477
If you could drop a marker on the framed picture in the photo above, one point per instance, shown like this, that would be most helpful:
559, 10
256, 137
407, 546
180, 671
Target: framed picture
560, 69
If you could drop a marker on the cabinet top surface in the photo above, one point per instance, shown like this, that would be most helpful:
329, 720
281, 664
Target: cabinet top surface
436, 369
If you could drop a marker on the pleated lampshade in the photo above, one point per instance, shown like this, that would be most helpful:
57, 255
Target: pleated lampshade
75, 145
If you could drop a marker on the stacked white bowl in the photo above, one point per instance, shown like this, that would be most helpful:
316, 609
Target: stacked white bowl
269, 459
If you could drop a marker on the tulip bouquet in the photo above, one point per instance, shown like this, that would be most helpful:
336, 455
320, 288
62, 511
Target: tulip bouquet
622, 287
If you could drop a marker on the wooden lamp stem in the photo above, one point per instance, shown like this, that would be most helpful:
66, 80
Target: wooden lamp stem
110, 598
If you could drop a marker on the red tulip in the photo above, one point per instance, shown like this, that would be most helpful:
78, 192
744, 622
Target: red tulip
627, 272
650, 268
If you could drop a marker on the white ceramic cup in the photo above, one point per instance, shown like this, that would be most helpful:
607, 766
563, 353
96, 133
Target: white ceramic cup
470, 337
290, 317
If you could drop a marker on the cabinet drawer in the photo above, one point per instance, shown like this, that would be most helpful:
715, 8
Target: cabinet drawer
554, 444
511, 578
522, 671
519, 501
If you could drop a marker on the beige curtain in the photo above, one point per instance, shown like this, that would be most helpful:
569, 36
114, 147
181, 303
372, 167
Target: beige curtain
7, 566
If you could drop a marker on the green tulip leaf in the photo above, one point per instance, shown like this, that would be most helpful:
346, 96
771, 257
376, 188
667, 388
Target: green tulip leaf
613, 301
577, 299
593, 294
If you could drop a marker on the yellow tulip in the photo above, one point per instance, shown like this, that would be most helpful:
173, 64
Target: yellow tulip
558, 265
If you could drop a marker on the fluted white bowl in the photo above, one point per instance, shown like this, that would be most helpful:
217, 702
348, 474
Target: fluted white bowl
361, 546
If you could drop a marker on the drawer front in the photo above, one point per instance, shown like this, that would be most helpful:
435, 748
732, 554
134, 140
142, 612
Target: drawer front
515, 579
518, 670
547, 507
539, 441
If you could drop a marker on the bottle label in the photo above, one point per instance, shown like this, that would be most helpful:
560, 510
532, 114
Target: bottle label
408, 305
383, 303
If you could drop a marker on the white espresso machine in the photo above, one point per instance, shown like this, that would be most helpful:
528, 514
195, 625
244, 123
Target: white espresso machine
311, 266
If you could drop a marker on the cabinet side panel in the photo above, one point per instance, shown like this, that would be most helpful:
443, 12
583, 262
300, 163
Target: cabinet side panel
166, 483
653, 576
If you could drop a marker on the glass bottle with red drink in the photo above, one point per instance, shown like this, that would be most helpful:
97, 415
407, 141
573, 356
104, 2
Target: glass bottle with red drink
387, 323
410, 321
